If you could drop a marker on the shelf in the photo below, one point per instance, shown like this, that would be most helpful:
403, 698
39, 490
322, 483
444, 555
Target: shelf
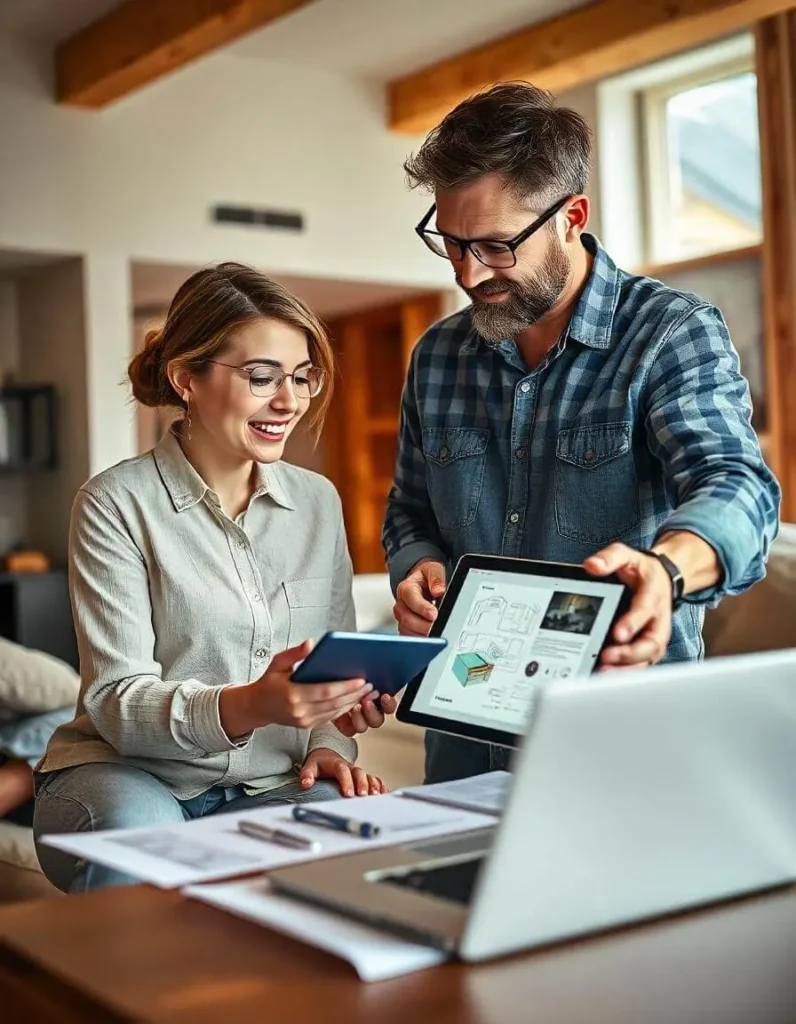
27, 429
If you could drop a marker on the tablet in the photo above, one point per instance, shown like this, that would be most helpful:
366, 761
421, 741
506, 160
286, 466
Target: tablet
386, 660
512, 625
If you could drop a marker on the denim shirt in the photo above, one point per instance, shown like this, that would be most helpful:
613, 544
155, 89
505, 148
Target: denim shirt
636, 423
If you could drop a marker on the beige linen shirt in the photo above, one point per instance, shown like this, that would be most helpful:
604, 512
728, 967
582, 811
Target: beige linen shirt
173, 601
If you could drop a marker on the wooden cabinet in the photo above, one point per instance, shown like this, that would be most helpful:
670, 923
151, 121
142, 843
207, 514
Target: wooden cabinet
373, 350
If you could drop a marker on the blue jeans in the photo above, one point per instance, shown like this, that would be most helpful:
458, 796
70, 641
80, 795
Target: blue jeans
91, 797
453, 757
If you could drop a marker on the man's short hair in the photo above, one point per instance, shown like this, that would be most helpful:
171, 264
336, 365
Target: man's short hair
541, 151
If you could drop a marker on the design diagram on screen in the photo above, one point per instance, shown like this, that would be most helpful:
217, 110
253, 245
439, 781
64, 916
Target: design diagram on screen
500, 650
472, 667
495, 613
572, 613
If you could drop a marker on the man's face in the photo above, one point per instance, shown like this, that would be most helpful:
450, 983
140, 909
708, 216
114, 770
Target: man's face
505, 301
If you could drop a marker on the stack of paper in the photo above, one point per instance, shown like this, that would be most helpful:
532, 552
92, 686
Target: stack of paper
212, 848
375, 955
483, 794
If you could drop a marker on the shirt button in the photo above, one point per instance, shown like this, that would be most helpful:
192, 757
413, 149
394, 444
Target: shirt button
241, 544
257, 597
525, 387
520, 453
261, 653
514, 517
589, 456
444, 453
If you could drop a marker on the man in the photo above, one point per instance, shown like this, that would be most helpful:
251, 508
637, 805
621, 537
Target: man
573, 412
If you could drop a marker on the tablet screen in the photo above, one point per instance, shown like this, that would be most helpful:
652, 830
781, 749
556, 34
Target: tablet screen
507, 635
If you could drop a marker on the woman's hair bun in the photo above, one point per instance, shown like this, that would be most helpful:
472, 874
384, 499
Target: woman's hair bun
147, 371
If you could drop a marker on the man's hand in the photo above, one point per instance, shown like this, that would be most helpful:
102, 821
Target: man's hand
326, 764
370, 714
642, 635
414, 609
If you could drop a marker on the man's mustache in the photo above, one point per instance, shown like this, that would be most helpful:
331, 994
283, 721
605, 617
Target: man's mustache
491, 288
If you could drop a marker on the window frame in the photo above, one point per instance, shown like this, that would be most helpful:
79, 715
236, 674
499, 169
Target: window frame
659, 241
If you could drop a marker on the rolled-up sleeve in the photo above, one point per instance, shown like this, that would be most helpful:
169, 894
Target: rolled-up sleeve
698, 423
130, 704
343, 617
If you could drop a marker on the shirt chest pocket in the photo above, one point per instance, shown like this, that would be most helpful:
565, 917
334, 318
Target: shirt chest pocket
455, 460
596, 488
308, 604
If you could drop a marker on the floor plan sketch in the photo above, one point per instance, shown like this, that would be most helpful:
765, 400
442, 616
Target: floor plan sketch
490, 609
517, 618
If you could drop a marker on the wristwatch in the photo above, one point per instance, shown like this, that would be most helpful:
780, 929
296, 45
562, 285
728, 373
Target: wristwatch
678, 583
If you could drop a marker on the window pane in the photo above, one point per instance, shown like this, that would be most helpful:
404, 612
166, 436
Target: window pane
714, 166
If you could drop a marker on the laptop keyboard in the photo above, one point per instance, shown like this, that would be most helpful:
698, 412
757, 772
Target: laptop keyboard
453, 882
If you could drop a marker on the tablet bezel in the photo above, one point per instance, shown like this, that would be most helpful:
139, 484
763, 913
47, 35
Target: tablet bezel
498, 563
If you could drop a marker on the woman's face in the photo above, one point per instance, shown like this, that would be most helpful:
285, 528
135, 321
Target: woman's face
224, 410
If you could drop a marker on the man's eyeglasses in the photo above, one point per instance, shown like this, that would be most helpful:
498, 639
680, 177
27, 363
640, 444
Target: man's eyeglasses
500, 254
265, 381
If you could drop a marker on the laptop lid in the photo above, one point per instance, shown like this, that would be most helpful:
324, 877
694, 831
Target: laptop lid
641, 793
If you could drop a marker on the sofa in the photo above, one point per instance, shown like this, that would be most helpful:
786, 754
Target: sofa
762, 619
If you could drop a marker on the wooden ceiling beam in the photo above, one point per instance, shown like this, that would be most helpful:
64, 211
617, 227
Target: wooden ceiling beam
592, 42
143, 40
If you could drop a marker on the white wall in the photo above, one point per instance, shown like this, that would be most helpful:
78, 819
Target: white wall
137, 182
583, 99
140, 177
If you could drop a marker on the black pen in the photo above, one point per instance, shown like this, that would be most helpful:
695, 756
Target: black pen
311, 816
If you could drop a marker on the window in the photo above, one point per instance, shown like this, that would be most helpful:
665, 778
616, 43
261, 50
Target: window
703, 164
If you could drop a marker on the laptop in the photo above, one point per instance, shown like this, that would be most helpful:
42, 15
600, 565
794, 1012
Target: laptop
636, 794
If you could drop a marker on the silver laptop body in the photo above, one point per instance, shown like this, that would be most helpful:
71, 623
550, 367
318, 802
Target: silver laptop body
636, 794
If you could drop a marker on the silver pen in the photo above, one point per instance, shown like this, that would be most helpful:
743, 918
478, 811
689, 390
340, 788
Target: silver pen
277, 835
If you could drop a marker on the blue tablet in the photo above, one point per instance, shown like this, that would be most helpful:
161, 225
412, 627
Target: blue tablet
386, 660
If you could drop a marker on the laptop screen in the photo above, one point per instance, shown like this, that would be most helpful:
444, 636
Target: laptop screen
508, 634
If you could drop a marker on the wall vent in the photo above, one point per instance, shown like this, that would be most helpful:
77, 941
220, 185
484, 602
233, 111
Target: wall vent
249, 217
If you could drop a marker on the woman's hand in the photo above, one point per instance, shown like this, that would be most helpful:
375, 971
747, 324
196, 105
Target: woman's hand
370, 714
274, 700
326, 764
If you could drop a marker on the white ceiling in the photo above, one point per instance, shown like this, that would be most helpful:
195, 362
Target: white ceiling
380, 39
377, 39
154, 285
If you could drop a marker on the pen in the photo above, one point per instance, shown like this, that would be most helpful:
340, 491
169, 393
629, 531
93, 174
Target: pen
276, 835
311, 816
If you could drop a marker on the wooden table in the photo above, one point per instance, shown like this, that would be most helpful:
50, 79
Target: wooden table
144, 954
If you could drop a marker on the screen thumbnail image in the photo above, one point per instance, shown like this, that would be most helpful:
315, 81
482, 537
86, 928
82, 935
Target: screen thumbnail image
472, 667
572, 613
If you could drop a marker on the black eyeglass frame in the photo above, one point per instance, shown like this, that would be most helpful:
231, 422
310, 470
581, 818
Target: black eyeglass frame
465, 244
250, 370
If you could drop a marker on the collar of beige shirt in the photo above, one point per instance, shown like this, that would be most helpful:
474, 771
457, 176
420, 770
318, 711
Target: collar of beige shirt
186, 488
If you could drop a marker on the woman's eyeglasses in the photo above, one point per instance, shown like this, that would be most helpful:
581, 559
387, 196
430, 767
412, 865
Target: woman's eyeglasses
266, 381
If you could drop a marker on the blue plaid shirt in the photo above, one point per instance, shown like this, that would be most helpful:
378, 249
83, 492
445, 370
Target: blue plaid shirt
636, 423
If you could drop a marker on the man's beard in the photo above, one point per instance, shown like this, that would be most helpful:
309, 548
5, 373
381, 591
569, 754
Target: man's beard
531, 298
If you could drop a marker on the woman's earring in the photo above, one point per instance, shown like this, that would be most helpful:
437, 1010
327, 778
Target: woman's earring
188, 414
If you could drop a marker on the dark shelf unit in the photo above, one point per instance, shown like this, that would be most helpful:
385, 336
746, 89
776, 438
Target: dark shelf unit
28, 432
35, 612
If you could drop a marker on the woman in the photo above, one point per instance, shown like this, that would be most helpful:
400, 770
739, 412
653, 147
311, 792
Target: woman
202, 565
